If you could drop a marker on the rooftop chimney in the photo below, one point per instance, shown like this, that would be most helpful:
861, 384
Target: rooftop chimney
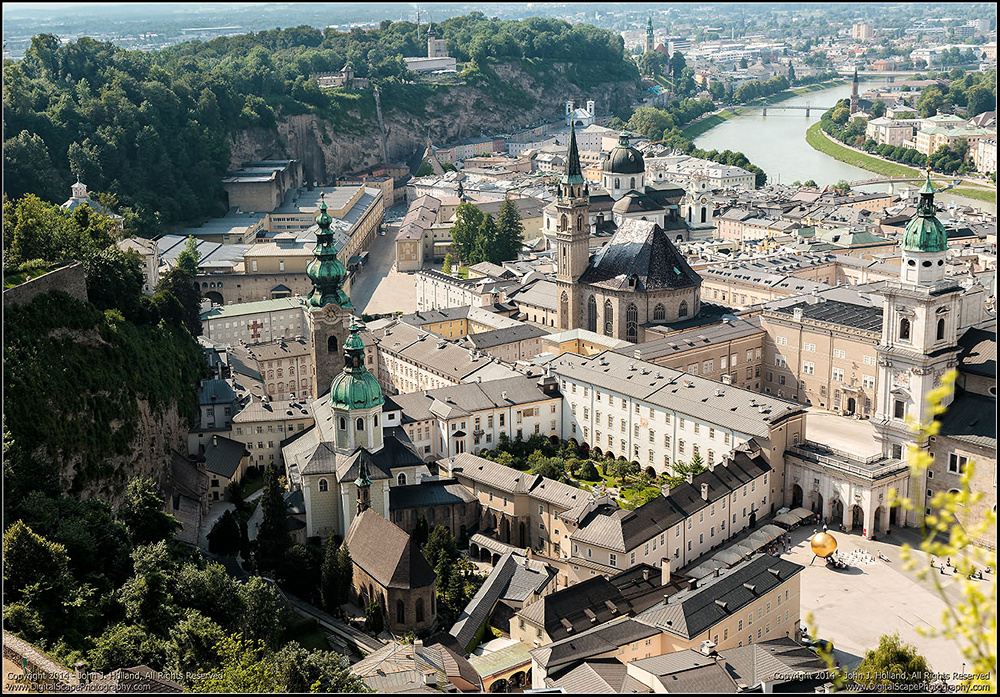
664, 571
430, 677
645, 574
707, 648
690, 478
215, 441
704, 491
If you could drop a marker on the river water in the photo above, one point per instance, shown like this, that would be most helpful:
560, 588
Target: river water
777, 144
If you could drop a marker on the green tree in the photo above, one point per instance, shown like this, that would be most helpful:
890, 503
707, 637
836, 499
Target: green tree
142, 513
330, 572
842, 186
677, 64
420, 532
244, 667
224, 537
261, 612
180, 286
424, 169
190, 256
980, 99
36, 571
510, 232
651, 63
209, 590
272, 536
484, 248
446, 268
114, 281
191, 646
465, 231
440, 541
374, 621
300, 571
323, 672
878, 109
791, 72
743, 64
346, 576
906, 666
125, 645
588, 472
551, 467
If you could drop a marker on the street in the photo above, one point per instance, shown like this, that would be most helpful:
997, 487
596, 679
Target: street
377, 287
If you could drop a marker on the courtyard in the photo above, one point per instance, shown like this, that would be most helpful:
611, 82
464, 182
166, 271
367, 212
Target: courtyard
854, 608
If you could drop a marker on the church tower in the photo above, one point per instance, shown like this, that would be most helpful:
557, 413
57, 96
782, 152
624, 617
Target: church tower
650, 46
572, 235
328, 307
919, 330
357, 401
854, 93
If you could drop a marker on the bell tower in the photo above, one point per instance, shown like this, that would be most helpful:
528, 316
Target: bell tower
919, 342
572, 236
328, 309
650, 45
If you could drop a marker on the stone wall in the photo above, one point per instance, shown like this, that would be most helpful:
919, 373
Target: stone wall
38, 670
69, 279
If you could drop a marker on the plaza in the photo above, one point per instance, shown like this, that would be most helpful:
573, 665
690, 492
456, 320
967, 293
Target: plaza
854, 608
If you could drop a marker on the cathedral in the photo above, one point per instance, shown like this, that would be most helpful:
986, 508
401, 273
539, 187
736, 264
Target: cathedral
638, 277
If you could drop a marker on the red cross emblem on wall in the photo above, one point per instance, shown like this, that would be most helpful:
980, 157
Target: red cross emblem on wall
255, 328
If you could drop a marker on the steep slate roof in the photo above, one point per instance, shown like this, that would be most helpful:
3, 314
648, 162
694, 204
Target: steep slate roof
765, 660
641, 251
971, 418
604, 638
835, 312
223, 456
499, 337
440, 492
979, 352
689, 613
696, 337
386, 553
573, 610
597, 676
689, 672
515, 481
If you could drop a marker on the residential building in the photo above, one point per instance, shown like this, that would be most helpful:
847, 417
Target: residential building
255, 322
261, 186
261, 426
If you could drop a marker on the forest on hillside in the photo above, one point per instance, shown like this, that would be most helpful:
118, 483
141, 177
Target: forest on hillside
153, 129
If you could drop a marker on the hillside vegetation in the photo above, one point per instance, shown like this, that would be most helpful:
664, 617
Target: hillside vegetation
155, 129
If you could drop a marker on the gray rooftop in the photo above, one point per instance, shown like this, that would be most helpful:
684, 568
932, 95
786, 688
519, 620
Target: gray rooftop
697, 337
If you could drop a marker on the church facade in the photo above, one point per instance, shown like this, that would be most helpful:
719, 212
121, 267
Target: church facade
637, 278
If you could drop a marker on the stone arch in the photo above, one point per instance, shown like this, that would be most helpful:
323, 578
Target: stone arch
419, 610
562, 221
401, 479
659, 313
609, 319
857, 517
324, 485
940, 329
216, 297
632, 323
796, 496
400, 611
331, 344
682, 309
564, 322
592, 314
650, 471
904, 329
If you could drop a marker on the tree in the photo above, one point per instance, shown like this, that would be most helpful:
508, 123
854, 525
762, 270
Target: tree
446, 268
224, 538
677, 64
842, 186
891, 658
424, 169
980, 99
440, 541
878, 109
191, 647
180, 285
243, 667
374, 621
743, 63
35, 571
261, 609
588, 472
300, 570
345, 578
791, 72
272, 536
330, 582
551, 467
510, 232
189, 256
323, 672
114, 281
123, 645
420, 532
464, 231
142, 513
810, 182
651, 63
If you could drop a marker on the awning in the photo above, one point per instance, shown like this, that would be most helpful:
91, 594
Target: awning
705, 569
802, 513
729, 557
354, 261
787, 519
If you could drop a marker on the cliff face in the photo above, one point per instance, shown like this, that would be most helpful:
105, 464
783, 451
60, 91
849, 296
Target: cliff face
453, 113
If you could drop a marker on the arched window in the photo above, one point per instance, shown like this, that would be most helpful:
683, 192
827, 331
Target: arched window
618, 183
331, 344
280, 373
564, 322
904, 329
609, 319
579, 222
375, 421
562, 222
420, 610
359, 424
401, 479
632, 323
704, 214
659, 313
632, 183
291, 371
343, 424
281, 387
324, 485
400, 612
270, 374
682, 310
940, 331
592, 314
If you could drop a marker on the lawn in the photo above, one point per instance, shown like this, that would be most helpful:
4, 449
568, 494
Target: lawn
826, 145
32, 271
707, 123
981, 194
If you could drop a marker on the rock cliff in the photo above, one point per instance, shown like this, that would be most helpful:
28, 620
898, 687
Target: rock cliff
452, 112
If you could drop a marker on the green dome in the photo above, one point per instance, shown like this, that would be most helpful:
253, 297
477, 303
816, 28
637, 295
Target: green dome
355, 387
624, 159
925, 233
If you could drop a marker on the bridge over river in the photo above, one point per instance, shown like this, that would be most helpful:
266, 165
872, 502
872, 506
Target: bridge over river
764, 108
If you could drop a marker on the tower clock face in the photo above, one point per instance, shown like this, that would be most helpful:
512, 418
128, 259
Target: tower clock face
901, 378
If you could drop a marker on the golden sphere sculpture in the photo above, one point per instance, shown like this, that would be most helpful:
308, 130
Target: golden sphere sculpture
823, 544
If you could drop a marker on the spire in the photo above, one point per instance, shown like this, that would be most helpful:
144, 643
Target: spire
326, 271
573, 173
355, 387
364, 483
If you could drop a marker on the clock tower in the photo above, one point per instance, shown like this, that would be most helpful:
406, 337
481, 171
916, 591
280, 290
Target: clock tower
920, 317
572, 236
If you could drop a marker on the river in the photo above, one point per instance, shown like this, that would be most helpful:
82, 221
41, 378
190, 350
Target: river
777, 144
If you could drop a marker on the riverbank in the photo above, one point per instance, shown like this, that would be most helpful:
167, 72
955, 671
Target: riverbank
819, 140
707, 123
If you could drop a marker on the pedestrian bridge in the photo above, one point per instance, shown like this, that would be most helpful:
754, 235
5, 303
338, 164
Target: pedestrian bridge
764, 108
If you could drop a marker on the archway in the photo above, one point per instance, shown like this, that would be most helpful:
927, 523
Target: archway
817, 506
485, 555
331, 344
650, 471
837, 512
892, 515
522, 536
216, 297
857, 517
877, 525
517, 679
505, 530
596, 451
796, 496
852, 406
499, 686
